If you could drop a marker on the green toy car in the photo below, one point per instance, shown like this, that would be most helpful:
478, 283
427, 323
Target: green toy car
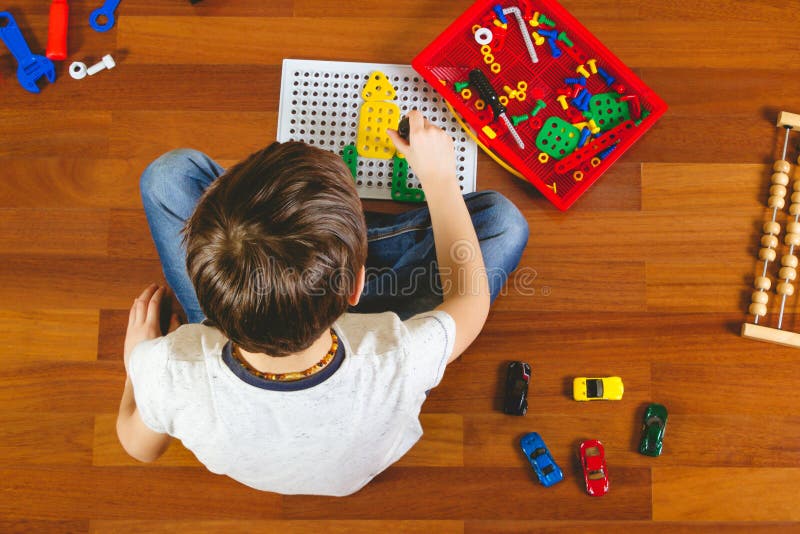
655, 423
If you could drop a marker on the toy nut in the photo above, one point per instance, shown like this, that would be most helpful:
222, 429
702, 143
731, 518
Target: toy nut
77, 70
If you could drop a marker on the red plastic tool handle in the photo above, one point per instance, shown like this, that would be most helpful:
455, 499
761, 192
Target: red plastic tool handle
57, 31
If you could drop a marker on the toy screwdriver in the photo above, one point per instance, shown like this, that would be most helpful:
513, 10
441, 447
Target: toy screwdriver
489, 95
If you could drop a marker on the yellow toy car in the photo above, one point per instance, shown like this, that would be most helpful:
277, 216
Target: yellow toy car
607, 388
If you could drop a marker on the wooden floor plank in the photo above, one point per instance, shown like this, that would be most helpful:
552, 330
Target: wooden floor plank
54, 232
51, 134
725, 494
56, 335
511, 526
125, 492
31, 439
298, 526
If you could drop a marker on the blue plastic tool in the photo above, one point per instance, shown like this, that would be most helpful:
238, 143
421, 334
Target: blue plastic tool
107, 11
31, 66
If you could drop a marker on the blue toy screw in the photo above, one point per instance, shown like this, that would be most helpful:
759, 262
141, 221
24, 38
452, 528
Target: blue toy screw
556, 51
606, 76
604, 154
585, 133
498, 10
576, 81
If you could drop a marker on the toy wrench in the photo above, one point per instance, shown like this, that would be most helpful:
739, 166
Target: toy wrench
107, 11
31, 66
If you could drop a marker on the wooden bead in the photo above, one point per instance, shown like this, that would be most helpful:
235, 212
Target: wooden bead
766, 254
776, 202
762, 282
792, 239
760, 297
795, 196
782, 166
772, 227
778, 190
758, 309
798, 160
780, 178
785, 288
787, 273
789, 260
794, 209
796, 185
793, 227
769, 241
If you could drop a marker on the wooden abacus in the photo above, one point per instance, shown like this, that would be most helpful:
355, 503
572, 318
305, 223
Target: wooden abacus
769, 244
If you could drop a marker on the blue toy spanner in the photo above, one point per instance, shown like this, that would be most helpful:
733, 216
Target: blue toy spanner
31, 66
107, 11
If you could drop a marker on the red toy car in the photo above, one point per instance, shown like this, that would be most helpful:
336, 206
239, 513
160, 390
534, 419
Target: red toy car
595, 471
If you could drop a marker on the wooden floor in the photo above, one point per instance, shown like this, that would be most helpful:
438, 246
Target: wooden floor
648, 277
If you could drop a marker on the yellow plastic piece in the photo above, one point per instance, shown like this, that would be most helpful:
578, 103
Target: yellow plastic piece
503, 100
486, 49
592, 65
488, 59
488, 132
522, 85
375, 117
596, 161
538, 39
581, 125
475, 27
544, 157
553, 187
378, 88
495, 68
508, 90
563, 100
466, 94
582, 71
593, 126
535, 20
480, 105
578, 176
500, 24
521, 96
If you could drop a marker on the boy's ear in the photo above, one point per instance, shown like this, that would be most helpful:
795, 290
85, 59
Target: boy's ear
359, 287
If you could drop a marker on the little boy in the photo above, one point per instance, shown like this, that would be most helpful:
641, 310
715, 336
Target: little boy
274, 382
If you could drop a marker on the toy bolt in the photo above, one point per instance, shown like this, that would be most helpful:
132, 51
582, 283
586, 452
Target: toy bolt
592, 65
106, 63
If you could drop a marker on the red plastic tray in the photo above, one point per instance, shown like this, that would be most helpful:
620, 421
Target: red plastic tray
567, 174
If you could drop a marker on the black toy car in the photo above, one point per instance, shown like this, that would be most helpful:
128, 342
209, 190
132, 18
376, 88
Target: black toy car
517, 381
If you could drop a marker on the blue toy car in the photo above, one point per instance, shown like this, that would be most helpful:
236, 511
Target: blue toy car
541, 460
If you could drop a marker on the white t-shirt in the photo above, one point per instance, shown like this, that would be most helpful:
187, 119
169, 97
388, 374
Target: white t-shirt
330, 438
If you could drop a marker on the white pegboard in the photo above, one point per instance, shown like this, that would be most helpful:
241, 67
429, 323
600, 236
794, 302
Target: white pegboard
320, 103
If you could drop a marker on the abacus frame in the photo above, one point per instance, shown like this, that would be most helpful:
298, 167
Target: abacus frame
770, 241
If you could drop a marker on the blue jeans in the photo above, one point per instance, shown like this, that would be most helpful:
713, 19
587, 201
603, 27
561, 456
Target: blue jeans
402, 273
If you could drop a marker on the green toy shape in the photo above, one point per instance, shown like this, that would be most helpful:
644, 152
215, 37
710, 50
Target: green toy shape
400, 190
558, 138
607, 111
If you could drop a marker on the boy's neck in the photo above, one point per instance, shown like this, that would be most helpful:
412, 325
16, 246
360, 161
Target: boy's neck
299, 361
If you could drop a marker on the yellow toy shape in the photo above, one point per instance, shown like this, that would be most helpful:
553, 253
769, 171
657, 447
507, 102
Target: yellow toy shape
378, 88
375, 116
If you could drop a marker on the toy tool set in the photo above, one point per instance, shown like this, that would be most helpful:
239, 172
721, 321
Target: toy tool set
346, 107
543, 96
787, 273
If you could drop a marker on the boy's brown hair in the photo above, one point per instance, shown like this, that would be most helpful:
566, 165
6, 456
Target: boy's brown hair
275, 246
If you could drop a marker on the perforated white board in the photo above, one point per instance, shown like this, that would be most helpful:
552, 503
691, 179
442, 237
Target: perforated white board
320, 103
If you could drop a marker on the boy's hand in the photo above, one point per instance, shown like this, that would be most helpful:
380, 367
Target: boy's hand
144, 319
429, 151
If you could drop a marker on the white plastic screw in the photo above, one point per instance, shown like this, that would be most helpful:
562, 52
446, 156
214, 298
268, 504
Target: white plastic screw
107, 62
